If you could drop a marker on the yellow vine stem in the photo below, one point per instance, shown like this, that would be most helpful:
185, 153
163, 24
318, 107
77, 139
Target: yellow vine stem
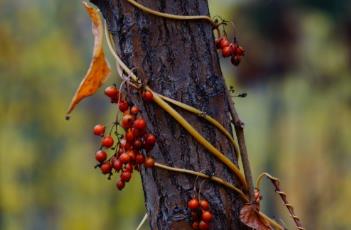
203, 115
125, 68
219, 181
275, 181
199, 174
172, 16
159, 101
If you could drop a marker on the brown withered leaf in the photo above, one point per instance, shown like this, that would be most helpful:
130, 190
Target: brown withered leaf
249, 215
99, 68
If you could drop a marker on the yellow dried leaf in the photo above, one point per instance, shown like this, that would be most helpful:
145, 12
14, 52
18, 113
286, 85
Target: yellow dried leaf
99, 68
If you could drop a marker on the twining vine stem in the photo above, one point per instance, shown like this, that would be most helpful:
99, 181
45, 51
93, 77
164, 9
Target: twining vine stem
276, 183
206, 117
219, 181
160, 100
214, 23
238, 125
172, 16
179, 118
200, 138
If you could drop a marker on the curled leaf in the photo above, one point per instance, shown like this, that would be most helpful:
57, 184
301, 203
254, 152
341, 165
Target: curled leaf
250, 215
99, 68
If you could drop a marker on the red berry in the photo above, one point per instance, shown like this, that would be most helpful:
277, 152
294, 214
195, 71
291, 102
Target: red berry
149, 162
125, 176
99, 130
206, 216
131, 155
124, 145
112, 92
127, 121
234, 48
139, 158
129, 136
117, 165
137, 144
140, 123
150, 139
138, 132
106, 168
124, 158
134, 110
235, 60
240, 51
195, 225
107, 141
203, 225
204, 204
129, 168
193, 204
120, 184
100, 156
148, 96
227, 51
123, 106
218, 42
223, 43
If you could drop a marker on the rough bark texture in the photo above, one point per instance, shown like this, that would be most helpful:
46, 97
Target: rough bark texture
177, 59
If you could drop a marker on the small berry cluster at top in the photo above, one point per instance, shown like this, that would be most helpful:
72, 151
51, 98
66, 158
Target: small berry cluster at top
230, 49
200, 213
132, 147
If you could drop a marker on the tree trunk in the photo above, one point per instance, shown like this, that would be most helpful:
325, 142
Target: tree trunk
177, 59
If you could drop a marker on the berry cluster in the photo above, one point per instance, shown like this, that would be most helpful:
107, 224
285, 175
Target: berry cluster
133, 145
200, 213
230, 49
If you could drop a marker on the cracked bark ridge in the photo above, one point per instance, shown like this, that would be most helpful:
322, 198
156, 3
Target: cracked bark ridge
177, 59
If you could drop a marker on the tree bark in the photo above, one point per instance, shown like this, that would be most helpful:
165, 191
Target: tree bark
177, 59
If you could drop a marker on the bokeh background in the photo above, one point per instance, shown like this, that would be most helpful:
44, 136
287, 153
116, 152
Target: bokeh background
298, 113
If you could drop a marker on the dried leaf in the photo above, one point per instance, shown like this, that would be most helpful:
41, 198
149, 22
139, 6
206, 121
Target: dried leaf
99, 68
250, 215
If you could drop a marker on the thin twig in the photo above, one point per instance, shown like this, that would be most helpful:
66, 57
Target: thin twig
276, 183
239, 130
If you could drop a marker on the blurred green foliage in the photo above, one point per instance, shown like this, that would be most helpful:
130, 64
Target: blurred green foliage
297, 115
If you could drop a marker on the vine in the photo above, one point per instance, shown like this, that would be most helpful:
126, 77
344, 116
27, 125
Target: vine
276, 183
132, 148
205, 116
179, 118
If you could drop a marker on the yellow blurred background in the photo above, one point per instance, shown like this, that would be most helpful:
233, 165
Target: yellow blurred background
297, 114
